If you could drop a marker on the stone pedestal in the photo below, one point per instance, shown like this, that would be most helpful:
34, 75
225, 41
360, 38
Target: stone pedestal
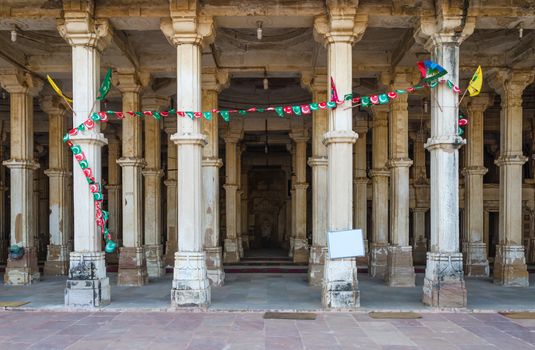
510, 268
476, 263
132, 267
232, 253
214, 265
340, 287
316, 265
444, 281
400, 271
87, 285
419, 251
57, 260
154, 258
190, 282
300, 250
22, 271
378, 260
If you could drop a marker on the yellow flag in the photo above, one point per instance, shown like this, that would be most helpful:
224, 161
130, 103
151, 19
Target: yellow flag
474, 88
57, 89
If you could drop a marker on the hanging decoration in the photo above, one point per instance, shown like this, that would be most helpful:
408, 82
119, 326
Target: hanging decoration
462, 122
431, 72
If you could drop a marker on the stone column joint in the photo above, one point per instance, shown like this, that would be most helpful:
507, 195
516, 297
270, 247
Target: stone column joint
318, 161
340, 136
29, 164
474, 170
511, 159
212, 162
447, 142
152, 172
379, 173
131, 161
399, 163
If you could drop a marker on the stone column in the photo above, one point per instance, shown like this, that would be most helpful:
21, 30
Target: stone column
476, 263
132, 261
360, 184
243, 207
510, 264
114, 194
4, 239
340, 29
22, 88
379, 175
231, 253
190, 281
444, 278
318, 163
153, 174
171, 243
421, 193
239, 193
400, 269
212, 81
57, 258
300, 252
290, 147
87, 285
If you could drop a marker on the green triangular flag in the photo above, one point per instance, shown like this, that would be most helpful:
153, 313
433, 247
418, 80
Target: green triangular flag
314, 106
207, 115
296, 110
279, 111
225, 115
105, 86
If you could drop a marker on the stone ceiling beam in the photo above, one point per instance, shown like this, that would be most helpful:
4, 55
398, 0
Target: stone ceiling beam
524, 51
404, 46
120, 39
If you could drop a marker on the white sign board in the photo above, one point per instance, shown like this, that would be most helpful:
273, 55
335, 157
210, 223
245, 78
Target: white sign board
345, 244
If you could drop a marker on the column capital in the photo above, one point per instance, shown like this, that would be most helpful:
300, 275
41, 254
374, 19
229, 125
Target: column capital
21, 164
57, 172
474, 170
361, 126
315, 81
447, 142
148, 172
299, 136
363, 180
213, 79
127, 82
154, 103
131, 161
317, 161
232, 136
185, 27
342, 25
170, 183
479, 103
52, 105
301, 186
379, 173
399, 163
212, 162
511, 83
230, 187
511, 159
79, 28
21, 82
340, 136
449, 26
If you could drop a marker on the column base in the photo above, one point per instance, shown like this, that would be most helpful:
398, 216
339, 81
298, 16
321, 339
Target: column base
87, 285
444, 281
301, 252
340, 285
419, 252
400, 269
245, 241
154, 258
378, 260
291, 242
214, 266
132, 267
23, 271
57, 260
190, 282
231, 253
510, 267
316, 265
240, 246
476, 263
364, 260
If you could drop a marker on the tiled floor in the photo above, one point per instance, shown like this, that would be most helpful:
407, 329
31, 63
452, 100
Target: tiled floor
249, 331
274, 292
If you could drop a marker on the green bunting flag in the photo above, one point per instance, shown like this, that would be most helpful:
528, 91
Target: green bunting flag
105, 86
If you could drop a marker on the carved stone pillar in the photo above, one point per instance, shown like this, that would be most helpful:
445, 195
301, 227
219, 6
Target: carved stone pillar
400, 269
4, 238
171, 243
231, 253
360, 184
444, 278
421, 193
57, 259
510, 264
186, 31
379, 175
243, 215
114, 194
300, 252
476, 263
153, 174
212, 82
132, 261
339, 30
318, 163
239, 193
88, 285
22, 88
